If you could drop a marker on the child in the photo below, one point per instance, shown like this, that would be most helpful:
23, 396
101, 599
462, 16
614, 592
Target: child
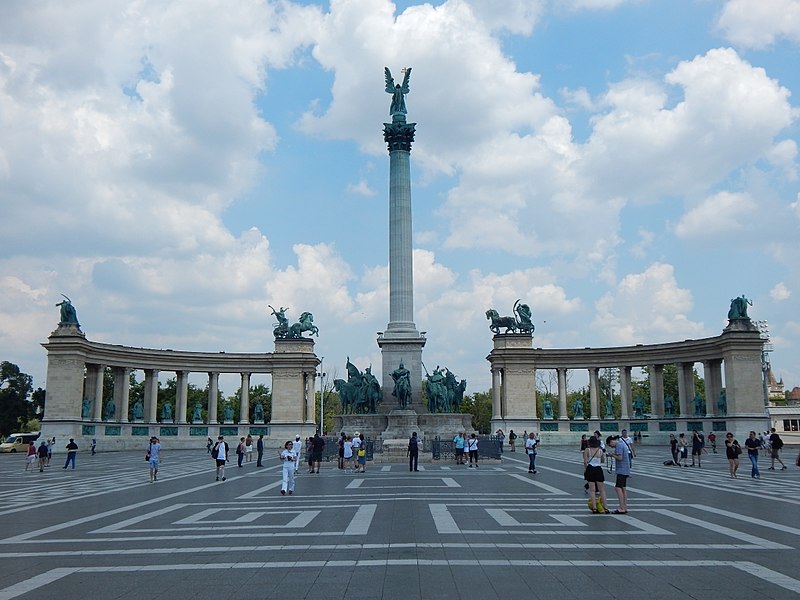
288, 459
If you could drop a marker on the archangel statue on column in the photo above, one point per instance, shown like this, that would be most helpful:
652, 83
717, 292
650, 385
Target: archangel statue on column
398, 92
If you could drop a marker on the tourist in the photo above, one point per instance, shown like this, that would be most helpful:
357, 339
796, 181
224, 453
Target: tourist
260, 450
317, 445
593, 458
42, 453
673, 450
356, 448
776, 443
753, 445
153, 457
72, 453
512, 439
248, 448
621, 452
220, 454
309, 454
584, 442
732, 452
600, 441
347, 453
362, 453
288, 460
209, 445
297, 446
472, 448
698, 445
413, 452
340, 444
240, 452
458, 442
30, 458
51, 443
683, 446
530, 449
712, 439
630, 442
94, 446
501, 437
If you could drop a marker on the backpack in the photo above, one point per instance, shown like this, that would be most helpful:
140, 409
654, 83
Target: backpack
777, 442
413, 443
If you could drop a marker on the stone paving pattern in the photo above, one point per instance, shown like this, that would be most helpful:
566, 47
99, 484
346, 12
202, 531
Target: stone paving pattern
447, 531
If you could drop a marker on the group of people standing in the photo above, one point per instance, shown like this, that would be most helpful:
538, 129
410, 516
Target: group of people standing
466, 447
679, 448
594, 452
771, 442
352, 452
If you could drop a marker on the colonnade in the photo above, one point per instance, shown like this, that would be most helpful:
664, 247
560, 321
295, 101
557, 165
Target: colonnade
76, 368
730, 361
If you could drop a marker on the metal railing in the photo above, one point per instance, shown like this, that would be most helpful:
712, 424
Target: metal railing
489, 446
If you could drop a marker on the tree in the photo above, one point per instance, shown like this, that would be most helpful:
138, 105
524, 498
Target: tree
15, 408
479, 405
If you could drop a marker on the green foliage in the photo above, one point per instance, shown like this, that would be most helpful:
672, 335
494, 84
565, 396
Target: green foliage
15, 408
479, 405
581, 394
333, 407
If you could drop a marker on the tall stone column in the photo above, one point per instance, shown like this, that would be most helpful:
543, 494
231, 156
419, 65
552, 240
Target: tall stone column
657, 390
712, 373
562, 394
213, 395
244, 401
686, 388
181, 394
98, 393
594, 393
400, 342
626, 403
151, 395
122, 386
497, 386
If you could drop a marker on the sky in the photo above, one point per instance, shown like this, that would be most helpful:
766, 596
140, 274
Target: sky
625, 167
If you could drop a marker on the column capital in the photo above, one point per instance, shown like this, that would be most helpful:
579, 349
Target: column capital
399, 135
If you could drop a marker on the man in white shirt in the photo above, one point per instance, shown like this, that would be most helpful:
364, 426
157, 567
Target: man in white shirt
220, 454
530, 449
297, 446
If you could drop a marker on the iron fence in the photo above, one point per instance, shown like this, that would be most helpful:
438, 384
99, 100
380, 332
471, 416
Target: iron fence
330, 452
489, 446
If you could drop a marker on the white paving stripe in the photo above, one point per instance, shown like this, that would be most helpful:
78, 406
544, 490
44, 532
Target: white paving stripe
768, 576
362, 520
716, 528
548, 488
324, 547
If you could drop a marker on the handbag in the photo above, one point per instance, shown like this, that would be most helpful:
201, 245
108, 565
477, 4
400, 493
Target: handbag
147, 454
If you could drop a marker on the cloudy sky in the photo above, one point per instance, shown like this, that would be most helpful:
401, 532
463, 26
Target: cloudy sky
626, 167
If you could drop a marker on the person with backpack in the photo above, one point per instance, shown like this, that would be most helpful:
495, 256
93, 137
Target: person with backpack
776, 443
220, 454
413, 452
512, 440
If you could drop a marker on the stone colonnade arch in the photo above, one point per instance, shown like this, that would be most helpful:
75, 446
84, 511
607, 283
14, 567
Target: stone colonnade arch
75, 368
736, 353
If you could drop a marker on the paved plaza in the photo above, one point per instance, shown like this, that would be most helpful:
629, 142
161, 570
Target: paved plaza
447, 531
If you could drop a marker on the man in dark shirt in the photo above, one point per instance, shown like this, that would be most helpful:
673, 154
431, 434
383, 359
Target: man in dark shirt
413, 452
698, 443
317, 444
753, 445
260, 450
72, 452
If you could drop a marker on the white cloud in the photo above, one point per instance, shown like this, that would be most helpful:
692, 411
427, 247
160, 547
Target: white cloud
729, 117
640, 248
780, 292
647, 307
361, 188
722, 213
759, 23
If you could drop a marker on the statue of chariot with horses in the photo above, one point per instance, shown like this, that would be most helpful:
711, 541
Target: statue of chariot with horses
519, 323
295, 331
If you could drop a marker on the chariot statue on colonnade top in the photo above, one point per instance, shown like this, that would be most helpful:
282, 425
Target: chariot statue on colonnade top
284, 330
521, 321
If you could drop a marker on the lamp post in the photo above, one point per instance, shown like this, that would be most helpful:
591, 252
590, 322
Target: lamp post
763, 329
321, 376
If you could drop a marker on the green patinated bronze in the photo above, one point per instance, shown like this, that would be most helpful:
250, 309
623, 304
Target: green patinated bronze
68, 314
361, 393
398, 107
444, 392
738, 310
520, 322
283, 330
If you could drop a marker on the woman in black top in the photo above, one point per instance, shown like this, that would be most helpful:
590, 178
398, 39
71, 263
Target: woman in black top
732, 451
